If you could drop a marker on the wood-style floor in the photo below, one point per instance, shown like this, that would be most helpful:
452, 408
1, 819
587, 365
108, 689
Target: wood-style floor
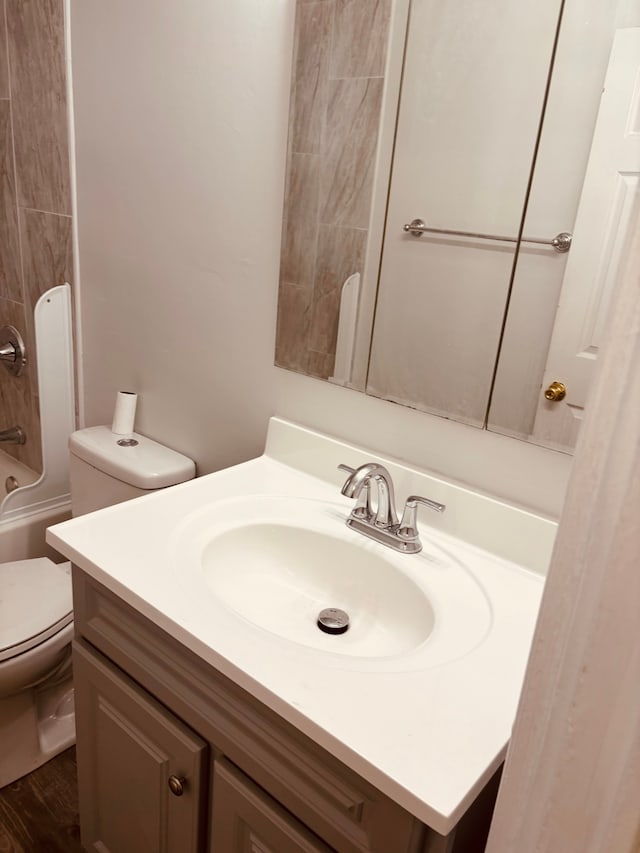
39, 813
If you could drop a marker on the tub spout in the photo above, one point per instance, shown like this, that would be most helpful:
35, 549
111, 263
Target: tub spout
13, 435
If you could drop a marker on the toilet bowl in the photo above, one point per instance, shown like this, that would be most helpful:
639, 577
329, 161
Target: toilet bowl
35, 664
37, 719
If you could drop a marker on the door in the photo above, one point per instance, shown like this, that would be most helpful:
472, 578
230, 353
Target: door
472, 94
139, 767
600, 236
246, 820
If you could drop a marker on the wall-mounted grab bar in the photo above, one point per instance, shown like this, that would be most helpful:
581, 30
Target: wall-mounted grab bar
561, 242
12, 351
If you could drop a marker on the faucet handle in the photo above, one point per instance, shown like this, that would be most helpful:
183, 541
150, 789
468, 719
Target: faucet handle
408, 524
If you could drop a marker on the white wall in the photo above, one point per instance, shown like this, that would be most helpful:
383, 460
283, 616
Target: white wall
180, 121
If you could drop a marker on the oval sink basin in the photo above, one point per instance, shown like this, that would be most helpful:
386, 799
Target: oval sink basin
264, 563
280, 577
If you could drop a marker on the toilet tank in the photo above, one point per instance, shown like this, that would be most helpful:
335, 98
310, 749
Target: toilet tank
106, 469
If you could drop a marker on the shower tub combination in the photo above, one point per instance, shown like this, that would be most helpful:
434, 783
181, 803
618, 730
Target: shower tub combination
22, 537
30, 502
36, 695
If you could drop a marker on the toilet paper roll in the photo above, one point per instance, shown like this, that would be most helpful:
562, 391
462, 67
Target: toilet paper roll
125, 413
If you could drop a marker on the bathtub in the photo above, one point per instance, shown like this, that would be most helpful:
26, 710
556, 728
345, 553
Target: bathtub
41, 500
23, 537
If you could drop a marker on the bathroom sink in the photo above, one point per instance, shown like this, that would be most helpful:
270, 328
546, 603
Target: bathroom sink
274, 563
281, 577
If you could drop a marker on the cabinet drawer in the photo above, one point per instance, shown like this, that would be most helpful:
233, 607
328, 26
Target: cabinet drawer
128, 748
344, 810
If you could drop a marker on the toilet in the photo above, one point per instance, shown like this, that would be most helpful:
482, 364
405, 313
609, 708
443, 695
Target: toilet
37, 718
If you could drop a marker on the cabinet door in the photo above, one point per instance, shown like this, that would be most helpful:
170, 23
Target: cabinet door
128, 748
246, 820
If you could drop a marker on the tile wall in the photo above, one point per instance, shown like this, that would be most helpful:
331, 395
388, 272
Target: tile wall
336, 97
35, 199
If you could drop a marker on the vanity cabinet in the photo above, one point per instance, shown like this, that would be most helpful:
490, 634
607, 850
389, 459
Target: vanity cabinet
151, 712
144, 769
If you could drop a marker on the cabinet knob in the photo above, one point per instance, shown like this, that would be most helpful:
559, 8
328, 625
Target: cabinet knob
176, 785
555, 392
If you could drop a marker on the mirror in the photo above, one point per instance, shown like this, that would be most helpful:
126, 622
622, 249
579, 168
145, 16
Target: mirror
478, 120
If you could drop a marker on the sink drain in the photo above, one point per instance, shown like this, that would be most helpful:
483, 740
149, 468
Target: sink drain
333, 621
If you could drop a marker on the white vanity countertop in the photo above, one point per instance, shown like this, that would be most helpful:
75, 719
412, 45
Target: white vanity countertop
429, 737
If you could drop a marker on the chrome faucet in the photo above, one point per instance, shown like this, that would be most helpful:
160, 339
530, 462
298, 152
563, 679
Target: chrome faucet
13, 435
359, 481
377, 518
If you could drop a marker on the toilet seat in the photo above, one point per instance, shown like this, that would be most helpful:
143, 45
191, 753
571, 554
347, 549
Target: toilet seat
35, 603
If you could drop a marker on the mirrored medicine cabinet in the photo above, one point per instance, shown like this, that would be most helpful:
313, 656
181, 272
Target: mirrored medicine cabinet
460, 179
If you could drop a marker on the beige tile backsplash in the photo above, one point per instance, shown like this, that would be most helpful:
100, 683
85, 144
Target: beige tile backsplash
38, 100
35, 221
46, 239
294, 316
360, 42
10, 286
300, 226
349, 146
336, 98
4, 62
311, 70
340, 251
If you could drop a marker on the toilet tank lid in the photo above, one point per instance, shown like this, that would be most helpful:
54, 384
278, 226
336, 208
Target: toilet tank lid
145, 465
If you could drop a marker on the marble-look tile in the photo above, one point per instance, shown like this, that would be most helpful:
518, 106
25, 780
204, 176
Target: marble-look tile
4, 58
320, 364
360, 36
300, 227
47, 260
47, 252
292, 332
332, 143
10, 274
38, 92
349, 146
310, 74
18, 404
340, 254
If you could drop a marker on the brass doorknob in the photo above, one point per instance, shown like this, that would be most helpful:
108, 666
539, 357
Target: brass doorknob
555, 392
176, 786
